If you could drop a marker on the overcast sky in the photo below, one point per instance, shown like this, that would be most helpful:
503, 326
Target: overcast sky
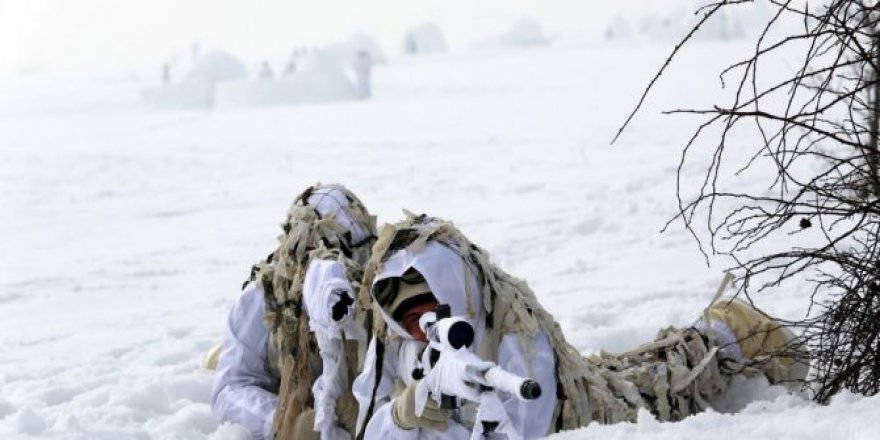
103, 35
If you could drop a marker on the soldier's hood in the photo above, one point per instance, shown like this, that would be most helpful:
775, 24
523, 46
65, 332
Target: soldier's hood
331, 200
447, 275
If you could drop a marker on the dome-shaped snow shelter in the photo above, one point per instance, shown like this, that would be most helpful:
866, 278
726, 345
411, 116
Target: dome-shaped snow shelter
359, 42
217, 66
619, 29
524, 32
424, 39
322, 78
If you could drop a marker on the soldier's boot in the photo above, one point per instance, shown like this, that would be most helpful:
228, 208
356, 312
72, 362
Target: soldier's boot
212, 357
760, 341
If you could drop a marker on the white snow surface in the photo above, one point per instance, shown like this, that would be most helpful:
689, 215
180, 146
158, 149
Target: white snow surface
126, 232
182, 95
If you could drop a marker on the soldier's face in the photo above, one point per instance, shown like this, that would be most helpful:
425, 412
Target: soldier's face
410, 321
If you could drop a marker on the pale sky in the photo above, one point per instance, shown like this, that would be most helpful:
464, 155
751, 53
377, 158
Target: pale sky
106, 35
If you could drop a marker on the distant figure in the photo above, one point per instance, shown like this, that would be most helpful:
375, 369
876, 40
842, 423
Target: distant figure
363, 66
266, 71
256, 374
166, 73
195, 52
290, 68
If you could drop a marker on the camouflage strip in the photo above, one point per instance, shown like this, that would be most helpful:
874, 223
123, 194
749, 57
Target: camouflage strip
293, 349
671, 377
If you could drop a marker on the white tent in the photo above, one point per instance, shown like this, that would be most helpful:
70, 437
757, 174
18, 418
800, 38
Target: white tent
524, 32
216, 67
619, 29
722, 26
424, 39
359, 42
322, 78
198, 88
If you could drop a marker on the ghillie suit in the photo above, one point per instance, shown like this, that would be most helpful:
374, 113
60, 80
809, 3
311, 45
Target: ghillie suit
671, 377
293, 351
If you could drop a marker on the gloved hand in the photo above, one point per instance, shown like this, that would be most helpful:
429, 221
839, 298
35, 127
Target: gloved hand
403, 411
343, 306
453, 374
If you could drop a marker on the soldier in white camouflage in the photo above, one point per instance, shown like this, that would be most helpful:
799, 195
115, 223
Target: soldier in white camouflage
295, 321
423, 261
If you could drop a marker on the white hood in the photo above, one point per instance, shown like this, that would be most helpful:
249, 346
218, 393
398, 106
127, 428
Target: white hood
331, 200
447, 276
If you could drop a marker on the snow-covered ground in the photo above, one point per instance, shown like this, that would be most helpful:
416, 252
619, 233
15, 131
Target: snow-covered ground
126, 232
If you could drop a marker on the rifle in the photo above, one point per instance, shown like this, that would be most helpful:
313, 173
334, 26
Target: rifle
450, 371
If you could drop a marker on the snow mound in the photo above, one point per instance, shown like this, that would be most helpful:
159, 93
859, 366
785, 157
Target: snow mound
323, 78
524, 32
191, 421
217, 66
619, 29
230, 432
425, 38
27, 421
725, 25
6, 409
787, 416
197, 90
346, 52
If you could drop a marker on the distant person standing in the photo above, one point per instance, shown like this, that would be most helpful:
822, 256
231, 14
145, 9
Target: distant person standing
195, 52
272, 374
266, 71
166, 73
290, 68
363, 66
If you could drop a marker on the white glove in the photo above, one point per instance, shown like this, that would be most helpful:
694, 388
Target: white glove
451, 376
403, 411
329, 300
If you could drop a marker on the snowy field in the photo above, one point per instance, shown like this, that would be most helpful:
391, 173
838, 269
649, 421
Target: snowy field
127, 232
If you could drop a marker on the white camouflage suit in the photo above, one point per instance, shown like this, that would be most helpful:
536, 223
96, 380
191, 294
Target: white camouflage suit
445, 274
245, 389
